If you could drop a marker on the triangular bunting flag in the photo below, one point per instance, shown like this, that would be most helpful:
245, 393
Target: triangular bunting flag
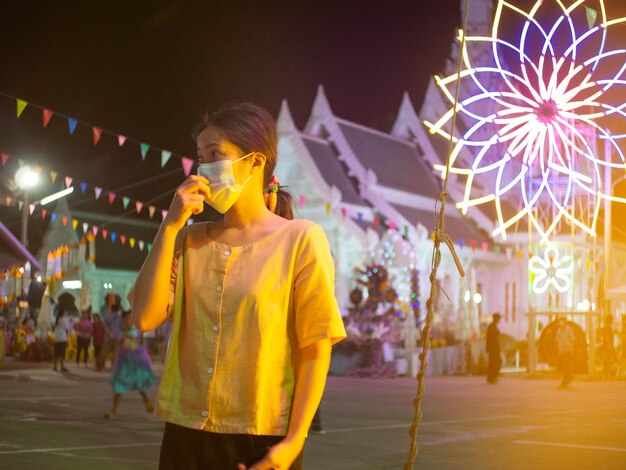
53, 217
74, 223
20, 204
83, 187
95, 230
144, 150
53, 176
64, 219
43, 213
151, 210
141, 244
123, 239
163, 214
31, 208
21, 106
149, 246
113, 236
125, 201
132, 242
96, 132
592, 16
138, 206
104, 232
85, 227
97, 192
71, 123
165, 156
187, 164
111, 197
5, 157
68, 181
47, 115
121, 139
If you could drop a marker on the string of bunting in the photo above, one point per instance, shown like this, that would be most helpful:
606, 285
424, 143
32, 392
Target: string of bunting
98, 191
98, 131
92, 230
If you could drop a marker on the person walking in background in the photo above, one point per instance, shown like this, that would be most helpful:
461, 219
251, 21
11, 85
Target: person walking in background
62, 328
98, 334
111, 313
565, 345
607, 341
83, 329
493, 350
132, 368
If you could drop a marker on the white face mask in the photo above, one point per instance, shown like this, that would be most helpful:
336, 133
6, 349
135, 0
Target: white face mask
224, 190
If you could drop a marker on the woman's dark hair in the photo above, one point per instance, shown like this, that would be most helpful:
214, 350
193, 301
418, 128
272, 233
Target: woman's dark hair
60, 314
252, 129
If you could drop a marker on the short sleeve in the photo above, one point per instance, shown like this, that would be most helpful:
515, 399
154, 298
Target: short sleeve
316, 312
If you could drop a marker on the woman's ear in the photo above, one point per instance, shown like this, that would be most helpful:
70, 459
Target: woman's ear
258, 161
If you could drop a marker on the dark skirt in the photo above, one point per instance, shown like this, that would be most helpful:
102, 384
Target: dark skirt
190, 449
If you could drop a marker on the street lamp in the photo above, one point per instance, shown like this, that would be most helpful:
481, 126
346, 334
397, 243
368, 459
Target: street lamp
25, 178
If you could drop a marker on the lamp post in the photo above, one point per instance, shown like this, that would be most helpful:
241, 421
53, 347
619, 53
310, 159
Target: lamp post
25, 178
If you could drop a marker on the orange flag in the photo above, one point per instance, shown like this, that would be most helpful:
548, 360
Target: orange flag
97, 132
47, 115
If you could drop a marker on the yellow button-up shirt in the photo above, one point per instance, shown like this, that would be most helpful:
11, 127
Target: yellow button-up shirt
240, 316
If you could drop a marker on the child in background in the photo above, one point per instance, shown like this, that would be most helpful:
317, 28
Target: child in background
132, 368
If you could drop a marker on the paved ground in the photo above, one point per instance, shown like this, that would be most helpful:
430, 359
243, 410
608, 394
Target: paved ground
54, 421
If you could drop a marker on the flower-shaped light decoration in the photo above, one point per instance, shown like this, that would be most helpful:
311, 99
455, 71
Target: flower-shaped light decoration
551, 270
533, 115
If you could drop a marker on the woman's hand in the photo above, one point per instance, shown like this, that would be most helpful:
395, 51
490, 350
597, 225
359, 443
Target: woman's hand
188, 200
278, 457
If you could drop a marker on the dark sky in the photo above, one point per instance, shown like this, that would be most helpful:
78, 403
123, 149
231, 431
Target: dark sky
147, 69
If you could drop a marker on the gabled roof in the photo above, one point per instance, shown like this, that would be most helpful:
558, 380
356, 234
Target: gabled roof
457, 226
325, 156
397, 163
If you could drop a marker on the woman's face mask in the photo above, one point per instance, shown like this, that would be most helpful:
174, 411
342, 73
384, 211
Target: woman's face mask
224, 190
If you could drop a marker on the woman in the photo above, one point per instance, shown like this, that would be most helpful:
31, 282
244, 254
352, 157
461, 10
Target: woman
252, 303
62, 328
132, 367
84, 329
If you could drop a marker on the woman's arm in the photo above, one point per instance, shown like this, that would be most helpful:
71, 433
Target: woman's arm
310, 383
150, 295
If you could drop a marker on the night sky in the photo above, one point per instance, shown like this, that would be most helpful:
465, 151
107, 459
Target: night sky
146, 69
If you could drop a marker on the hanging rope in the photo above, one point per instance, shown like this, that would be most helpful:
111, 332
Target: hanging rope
440, 237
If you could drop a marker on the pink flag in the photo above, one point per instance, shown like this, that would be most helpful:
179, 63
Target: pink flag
138, 206
121, 139
68, 181
187, 164
95, 230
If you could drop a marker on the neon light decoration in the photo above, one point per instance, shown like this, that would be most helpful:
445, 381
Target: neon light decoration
551, 270
533, 117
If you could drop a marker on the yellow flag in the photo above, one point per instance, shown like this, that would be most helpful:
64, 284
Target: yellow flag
21, 106
74, 223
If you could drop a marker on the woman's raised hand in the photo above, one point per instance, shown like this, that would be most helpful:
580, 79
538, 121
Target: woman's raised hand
188, 200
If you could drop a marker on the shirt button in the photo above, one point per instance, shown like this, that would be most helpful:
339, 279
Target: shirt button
227, 252
205, 414
219, 288
215, 328
210, 370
